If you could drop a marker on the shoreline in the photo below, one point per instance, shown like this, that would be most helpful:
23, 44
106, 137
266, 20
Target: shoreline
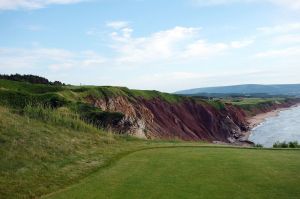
258, 119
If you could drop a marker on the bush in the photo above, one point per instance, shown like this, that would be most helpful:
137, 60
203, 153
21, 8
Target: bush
294, 144
258, 146
286, 145
98, 117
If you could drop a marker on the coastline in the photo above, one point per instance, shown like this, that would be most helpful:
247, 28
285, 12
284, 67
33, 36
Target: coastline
258, 119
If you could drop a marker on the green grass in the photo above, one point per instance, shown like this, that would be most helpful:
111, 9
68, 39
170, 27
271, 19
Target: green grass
250, 105
254, 101
43, 150
61, 117
195, 172
114, 91
28, 87
156, 94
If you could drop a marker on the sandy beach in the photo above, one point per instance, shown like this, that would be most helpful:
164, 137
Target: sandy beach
260, 118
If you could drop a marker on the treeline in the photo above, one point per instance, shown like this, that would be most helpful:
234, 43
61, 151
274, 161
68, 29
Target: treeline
286, 145
34, 79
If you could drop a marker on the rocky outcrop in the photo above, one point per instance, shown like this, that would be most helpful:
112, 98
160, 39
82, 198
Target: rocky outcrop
186, 120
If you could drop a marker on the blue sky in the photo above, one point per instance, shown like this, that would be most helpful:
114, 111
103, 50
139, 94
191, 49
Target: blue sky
152, 44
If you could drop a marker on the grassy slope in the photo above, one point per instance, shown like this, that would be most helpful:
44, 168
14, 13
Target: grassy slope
39, 156
195, 173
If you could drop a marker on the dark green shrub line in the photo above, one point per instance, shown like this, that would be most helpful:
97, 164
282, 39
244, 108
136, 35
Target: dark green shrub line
291, 145
34, 79
258, 146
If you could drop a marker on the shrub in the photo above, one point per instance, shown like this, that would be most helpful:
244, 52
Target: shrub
294, 144
97, 117
258, 146
286, 145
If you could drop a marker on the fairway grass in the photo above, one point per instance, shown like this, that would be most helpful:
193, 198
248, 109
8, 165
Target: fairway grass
194, 172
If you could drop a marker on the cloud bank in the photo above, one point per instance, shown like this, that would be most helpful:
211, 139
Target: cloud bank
292, 4
32, 4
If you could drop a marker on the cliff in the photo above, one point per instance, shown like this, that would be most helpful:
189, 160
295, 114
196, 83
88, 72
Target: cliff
187, 119
184, 118
144, 114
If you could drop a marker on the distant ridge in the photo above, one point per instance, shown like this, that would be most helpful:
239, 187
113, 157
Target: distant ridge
276, 89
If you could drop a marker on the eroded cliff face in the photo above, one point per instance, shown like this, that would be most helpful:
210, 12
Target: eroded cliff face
186, 120
189, 120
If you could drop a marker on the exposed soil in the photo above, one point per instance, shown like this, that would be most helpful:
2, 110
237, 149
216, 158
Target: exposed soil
188, 120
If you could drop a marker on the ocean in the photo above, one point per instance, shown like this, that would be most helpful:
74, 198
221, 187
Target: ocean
284, 127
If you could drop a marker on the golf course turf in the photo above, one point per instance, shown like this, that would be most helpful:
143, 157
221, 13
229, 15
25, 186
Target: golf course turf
194, 172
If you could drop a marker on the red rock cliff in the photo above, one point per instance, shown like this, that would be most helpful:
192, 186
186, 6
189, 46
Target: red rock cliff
187, 120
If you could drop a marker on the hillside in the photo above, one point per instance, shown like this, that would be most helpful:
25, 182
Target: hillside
51, 136
284, 89
143, 114
42, 151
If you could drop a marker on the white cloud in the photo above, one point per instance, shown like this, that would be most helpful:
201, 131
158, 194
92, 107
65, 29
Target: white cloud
157, 46
287, 39
117, 24
241, 44
280, 28
287, 52
51, 58
202, 48
32, 4
167, 45
174, 45
219, 2
291, 4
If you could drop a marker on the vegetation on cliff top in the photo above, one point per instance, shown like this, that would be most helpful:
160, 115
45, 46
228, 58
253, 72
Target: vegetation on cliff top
30, 78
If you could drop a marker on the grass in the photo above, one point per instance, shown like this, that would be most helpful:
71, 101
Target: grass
44, 150
250, 105
254, 101
28, 87
195, 172
114, 91
62, 117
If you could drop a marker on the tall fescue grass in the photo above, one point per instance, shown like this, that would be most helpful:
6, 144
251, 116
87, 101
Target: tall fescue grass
61, 116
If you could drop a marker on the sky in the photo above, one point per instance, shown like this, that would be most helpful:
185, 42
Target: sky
152, 44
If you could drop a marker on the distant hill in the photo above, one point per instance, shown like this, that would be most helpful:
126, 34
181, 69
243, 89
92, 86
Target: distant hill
281, 89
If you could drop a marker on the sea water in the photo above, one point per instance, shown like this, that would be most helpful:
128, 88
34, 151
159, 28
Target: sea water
283, 127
